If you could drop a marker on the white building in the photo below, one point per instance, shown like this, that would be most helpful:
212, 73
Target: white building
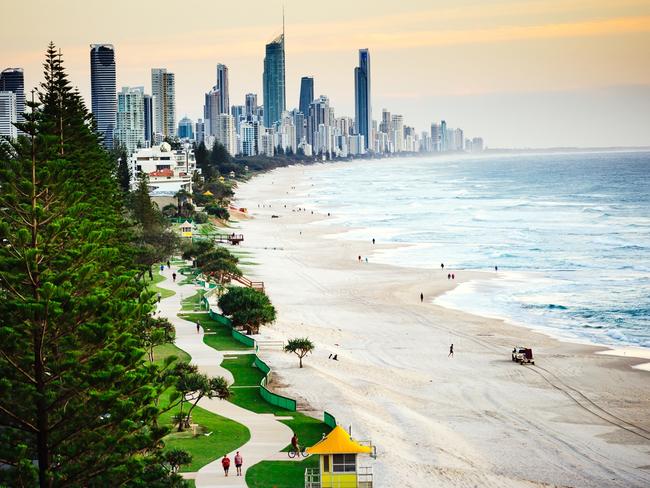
163, 89
225, 133
397, 133
357, 144
266, 143
168, 171
305, 147
8, 114
129, 130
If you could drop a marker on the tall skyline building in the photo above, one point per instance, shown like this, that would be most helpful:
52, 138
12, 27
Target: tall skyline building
225, 133
130, 123
103, 90
397, 132
8, 114
306, 94
222, 86
251, 104
274, 81
148, 119
13, 80
362, 105
185, 128
212, 110
163, 89
444, 141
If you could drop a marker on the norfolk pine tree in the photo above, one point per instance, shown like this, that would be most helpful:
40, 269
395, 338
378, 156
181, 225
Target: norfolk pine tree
77, 397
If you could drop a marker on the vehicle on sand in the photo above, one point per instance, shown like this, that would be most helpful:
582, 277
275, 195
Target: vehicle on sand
523, 355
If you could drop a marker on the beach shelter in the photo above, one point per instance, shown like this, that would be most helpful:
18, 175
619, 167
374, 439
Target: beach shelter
186, 229
208, 193
338, 464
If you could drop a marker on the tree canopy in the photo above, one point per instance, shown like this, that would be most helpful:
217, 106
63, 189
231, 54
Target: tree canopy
78, 400
300, 346
247, 308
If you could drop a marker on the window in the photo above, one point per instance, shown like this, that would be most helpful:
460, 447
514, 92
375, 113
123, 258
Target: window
344, 463
326, 464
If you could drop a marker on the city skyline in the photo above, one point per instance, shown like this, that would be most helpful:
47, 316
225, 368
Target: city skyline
549, 74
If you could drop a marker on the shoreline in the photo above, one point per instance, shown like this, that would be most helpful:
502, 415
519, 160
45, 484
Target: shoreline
447, 421
477, 276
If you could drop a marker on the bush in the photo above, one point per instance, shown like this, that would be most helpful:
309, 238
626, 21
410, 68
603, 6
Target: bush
218, 212
200, 218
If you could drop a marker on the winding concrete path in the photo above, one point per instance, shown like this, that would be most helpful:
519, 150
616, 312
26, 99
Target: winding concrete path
268, 436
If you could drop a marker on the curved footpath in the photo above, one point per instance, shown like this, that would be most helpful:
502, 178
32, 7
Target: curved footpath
268, 436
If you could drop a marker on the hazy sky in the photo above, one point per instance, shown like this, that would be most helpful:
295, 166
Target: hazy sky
520, 73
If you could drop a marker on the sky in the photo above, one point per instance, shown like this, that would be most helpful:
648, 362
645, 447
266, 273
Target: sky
519, 73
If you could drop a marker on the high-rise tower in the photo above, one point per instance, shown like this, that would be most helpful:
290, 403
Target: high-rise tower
163, 89
306, 94
222, 86
362, 106
273, 80
103, 91
13, 80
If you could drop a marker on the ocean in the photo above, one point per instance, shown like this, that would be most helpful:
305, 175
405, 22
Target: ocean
569, 232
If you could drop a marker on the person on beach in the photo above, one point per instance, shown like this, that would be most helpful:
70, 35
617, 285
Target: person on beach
373, 240
451, 351
359, 258
174, 277
496, 268
442, 265
421, 297
448, 276
453, 276
225, 463
238, 462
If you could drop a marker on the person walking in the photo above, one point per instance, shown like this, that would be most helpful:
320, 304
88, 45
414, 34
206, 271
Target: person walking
198, 326
448, 276
453, 276
421, 297
442, 266
174, 277
373, 240
496, 268
159, 297
239, 460
225, 463
169, 264
451, 351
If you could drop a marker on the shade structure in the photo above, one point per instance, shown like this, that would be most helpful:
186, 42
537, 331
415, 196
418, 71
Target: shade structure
338, 441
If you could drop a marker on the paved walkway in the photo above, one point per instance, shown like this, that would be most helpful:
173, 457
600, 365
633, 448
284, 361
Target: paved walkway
268, 436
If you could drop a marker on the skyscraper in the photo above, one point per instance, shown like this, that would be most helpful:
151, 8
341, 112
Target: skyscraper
212, 110
273, 80
163, 90
186, 128
306, 94
251, 105
102, 86
130, 126
444, 142
397, 136
222, 86
8, 115
362, 106
13, 80
225, 133
148, 119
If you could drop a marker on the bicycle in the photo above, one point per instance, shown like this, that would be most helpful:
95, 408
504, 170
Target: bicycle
297, 452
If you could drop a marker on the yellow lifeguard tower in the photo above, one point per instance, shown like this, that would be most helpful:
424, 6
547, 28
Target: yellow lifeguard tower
338, 464
186, 229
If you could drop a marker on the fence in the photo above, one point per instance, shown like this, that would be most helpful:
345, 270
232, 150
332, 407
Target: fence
268, 395
329, 419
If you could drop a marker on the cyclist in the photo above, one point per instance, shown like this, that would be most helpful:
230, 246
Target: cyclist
294, 443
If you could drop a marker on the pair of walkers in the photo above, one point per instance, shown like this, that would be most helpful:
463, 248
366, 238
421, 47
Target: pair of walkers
225, 463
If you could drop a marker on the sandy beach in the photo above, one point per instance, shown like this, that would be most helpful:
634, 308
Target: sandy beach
576, 418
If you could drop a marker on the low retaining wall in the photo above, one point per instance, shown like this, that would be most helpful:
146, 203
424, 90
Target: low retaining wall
329, 419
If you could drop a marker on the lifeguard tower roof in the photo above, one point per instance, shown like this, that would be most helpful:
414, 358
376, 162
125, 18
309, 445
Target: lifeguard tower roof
338, 442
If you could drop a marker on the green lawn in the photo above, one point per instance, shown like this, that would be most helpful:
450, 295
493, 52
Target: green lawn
242, 369
157, 278
192, 303
220, 337
279, 474
227, 435
160, 353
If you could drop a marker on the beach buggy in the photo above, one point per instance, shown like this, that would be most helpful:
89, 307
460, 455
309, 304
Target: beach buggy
523, 355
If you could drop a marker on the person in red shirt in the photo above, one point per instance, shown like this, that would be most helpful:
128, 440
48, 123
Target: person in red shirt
225, 462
